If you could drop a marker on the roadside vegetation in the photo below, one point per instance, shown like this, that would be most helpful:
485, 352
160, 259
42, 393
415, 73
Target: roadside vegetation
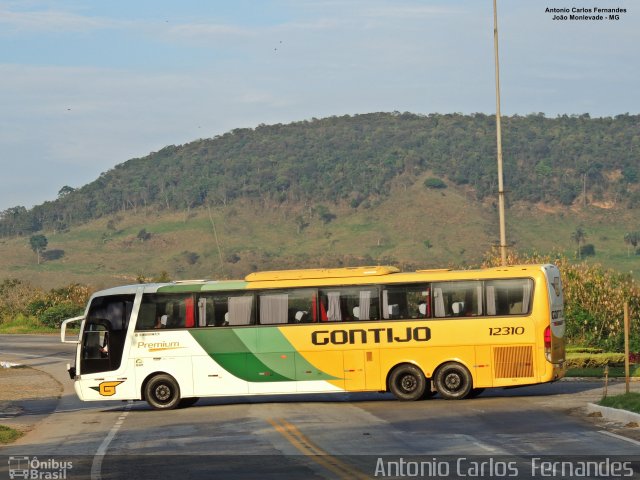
25, 308
627, 401
8, 434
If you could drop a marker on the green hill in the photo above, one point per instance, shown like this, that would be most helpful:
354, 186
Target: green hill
416, 191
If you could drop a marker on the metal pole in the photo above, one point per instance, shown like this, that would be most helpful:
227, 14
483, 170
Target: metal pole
503, 235
626, 345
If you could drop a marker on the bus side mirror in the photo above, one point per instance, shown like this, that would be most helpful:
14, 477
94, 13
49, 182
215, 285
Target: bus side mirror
63, 330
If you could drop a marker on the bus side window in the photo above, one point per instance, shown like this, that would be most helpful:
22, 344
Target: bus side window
146, 316
178, 309
287, 306
406, 301
457, 299
508, 297
221, 310
350, 304
241, 310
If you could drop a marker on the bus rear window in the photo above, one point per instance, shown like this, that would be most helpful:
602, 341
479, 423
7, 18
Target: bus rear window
509, 297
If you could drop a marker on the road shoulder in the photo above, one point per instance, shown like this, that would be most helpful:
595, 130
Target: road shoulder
27, 395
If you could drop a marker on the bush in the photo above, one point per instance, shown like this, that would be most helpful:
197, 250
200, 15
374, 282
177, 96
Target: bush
581, 360
15, 295
587, 250
55, 254
434, 183
577, 349
53, 316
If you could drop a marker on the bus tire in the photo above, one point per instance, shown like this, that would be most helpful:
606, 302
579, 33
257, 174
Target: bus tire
453, 381
162, 392
407, 382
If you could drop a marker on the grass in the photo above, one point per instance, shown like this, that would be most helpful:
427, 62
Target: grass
598, 372
25, 325
626, 401
8, 435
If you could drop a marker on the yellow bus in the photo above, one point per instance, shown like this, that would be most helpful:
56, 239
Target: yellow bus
359, 329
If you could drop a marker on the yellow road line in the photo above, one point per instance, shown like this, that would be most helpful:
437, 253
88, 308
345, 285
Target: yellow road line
313, 451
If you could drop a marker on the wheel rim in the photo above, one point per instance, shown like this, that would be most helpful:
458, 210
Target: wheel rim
453, 382
163, 393
408, 383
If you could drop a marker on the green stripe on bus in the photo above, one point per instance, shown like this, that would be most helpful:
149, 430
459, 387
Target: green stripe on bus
203, 287
180, 288
268, 358
227, 285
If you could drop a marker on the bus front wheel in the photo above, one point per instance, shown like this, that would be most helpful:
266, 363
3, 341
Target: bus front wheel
162, 392
453, 381
407, 382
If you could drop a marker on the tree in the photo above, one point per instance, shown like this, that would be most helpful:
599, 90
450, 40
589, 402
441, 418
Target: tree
301, 223
38, 244
631, 239
66, 190
324, 214
143, 235
579, 236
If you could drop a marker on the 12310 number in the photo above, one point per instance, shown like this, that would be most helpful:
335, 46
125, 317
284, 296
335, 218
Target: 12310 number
506, 330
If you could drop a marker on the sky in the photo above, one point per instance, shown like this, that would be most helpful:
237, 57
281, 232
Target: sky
86, 85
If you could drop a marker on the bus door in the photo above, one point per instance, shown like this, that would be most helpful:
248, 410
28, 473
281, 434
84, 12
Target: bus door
101, 349
96, 347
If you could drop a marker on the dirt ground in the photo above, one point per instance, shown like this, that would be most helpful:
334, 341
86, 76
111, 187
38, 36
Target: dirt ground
19, 386
24, 383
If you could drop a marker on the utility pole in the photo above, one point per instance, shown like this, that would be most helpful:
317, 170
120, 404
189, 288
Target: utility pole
503, 235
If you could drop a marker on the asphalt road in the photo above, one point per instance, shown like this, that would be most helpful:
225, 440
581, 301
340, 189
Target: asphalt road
310, 436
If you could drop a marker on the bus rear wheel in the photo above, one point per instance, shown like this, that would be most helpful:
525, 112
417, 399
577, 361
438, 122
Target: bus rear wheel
407, 382
162, 392
453, 381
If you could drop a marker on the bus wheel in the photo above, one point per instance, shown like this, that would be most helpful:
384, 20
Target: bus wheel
453, 381
162, 392
407, 382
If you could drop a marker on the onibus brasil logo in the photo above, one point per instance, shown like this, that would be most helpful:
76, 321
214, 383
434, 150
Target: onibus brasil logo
33, 468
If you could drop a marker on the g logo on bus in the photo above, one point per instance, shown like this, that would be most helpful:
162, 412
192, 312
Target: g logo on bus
107, 389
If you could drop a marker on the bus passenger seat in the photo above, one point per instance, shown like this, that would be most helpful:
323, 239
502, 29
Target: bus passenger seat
457, 308
394, 310
515, 308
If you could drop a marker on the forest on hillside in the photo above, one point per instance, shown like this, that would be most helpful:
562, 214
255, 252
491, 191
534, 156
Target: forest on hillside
354, 159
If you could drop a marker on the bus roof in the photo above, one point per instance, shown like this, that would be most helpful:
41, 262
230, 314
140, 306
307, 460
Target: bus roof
380, 274
320, 273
